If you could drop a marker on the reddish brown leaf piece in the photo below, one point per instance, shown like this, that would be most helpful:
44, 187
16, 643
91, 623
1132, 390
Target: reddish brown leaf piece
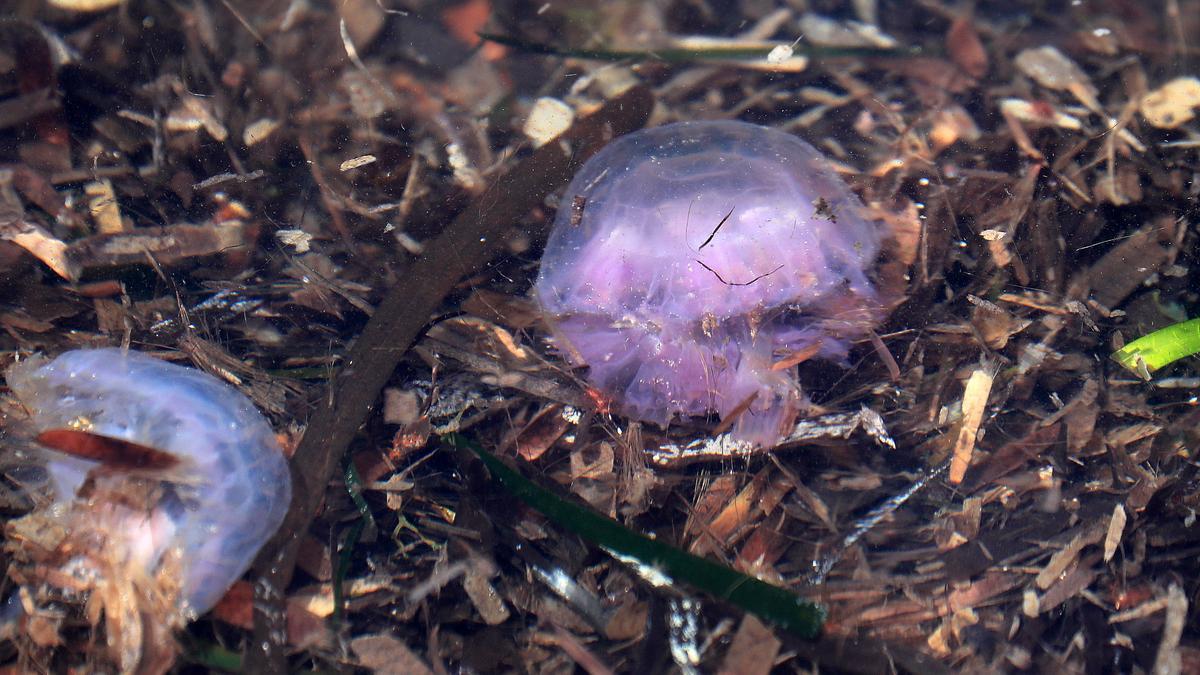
965, 48
114, 453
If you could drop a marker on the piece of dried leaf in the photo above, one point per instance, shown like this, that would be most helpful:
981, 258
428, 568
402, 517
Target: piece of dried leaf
1054, 70
951, 124
1120, 188
753, 650
193, 114
466, 20
386, 654
542, 432
965, 48
1173, 104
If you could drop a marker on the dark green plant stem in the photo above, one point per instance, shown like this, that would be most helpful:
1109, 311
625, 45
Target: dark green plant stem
350, 541
768, 602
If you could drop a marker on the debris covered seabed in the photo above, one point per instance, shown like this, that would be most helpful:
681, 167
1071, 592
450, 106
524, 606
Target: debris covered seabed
339, 209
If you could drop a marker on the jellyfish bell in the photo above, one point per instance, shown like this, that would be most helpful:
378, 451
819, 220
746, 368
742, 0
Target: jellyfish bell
694, 257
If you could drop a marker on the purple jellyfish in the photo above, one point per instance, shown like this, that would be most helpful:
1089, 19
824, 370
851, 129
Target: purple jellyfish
688, 262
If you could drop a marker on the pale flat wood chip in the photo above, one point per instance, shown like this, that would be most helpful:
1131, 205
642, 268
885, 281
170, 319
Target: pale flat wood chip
1064, 558
975, 397
1116, 527
41, 245
172, 244
1127, 265
476, 582
1168, 661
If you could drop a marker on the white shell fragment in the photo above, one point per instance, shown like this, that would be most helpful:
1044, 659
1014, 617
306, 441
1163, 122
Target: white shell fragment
779, 54
297, 239
548, 119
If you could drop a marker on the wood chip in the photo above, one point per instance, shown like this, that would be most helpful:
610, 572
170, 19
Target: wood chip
809, 430
1124, 268
1168, 661
1077, 577
753, 651
796, 63
258, 131
41, 245
170, 245
1068, 555
829, 32
1116, 526
103, 206
318, 599
975, 397
355, 162
1030, 606
476, 582
542, 432
386, 654
583, 657
735, 514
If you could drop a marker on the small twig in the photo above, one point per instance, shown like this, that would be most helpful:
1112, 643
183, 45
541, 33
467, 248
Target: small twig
738, 283
715, 230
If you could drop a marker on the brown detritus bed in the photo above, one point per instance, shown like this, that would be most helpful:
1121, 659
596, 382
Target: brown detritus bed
339, 208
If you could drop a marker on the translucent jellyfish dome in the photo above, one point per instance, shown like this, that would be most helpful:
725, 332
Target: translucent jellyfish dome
687, 261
